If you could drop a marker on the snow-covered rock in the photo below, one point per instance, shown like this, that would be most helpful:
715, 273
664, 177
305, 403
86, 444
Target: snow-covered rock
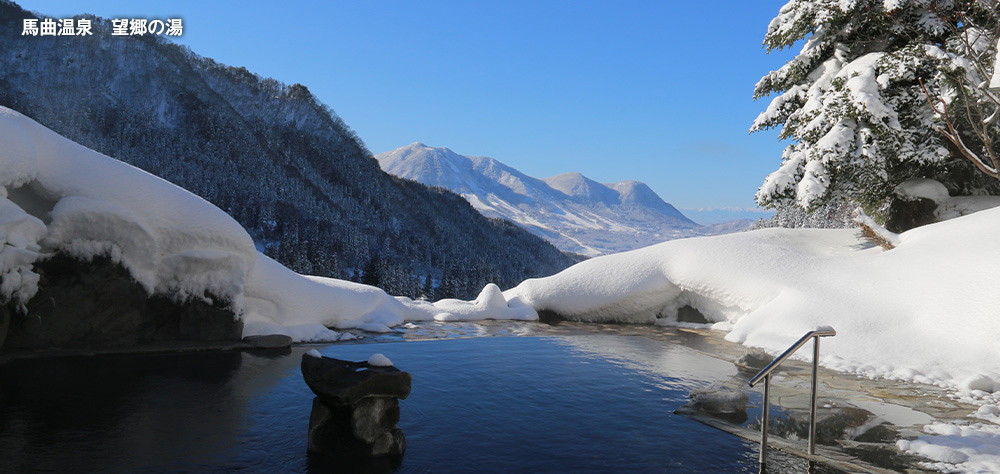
171, 241
922, 201
19, 236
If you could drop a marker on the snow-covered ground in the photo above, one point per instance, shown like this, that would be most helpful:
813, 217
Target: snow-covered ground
924, 311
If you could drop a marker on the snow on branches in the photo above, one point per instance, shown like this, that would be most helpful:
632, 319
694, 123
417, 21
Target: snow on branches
851, 100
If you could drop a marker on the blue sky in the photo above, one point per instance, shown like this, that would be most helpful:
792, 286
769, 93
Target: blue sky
657, 91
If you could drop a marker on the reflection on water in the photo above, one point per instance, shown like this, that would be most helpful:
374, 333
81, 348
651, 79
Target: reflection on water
675, 366
526, 404
118, 414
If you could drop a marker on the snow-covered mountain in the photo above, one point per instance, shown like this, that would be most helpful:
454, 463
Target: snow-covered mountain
275, 158
575, 213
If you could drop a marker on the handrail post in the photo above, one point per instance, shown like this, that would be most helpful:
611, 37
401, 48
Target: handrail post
765, 374
812, 399
764, 422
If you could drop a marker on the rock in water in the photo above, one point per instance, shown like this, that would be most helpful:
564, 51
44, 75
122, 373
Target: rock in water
345, 382
720, 400
753, 360
356, 407
269, 341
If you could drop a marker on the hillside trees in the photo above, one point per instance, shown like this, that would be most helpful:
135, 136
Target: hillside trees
853, 105
284, 165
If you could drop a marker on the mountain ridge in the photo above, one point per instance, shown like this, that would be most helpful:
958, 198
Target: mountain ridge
574, 212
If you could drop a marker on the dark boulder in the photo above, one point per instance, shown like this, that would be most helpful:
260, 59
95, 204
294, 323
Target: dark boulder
270, 341
345, 382
904, 215
389, 444
914, 203
97, 302
374, 416
4, 323
356, 409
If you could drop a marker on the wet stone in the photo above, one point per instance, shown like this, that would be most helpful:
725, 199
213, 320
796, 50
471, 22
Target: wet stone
356, 408
270, 341
344, 382
719, 400
372, 417
753, 360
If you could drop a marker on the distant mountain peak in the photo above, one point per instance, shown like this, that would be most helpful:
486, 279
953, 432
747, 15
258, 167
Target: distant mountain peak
576, 213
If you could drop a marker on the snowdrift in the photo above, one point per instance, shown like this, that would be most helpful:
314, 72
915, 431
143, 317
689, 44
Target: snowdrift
56, 195
923, 311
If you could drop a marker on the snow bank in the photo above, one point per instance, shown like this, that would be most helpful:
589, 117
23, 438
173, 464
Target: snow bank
948, 207
771, 286
924, 311
279, 300
19, 236
951, 447
87, 204
56, 195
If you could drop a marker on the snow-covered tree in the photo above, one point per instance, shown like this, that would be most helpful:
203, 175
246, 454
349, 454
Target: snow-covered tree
852, 101
965, 102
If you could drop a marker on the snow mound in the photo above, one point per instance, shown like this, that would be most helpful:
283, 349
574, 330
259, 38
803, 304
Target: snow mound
773, 285
948, 207
490, 304
86, 204
379, 360
19, 236
971, 448
913, 189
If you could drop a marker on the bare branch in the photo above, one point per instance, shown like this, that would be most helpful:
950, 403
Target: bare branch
956, 139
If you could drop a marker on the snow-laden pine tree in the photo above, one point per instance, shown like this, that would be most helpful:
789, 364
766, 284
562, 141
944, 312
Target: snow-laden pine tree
852, 102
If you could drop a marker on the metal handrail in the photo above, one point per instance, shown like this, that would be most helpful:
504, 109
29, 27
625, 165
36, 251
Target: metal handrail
765, 374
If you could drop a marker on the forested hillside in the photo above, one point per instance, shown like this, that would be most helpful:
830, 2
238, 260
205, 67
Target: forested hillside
271, 155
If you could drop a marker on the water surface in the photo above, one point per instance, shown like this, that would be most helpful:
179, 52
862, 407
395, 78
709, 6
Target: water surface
500, 404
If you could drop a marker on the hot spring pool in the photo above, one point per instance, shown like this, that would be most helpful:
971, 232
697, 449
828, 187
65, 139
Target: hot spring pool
497, 404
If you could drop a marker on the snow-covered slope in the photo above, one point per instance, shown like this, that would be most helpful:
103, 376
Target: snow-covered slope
572, 211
